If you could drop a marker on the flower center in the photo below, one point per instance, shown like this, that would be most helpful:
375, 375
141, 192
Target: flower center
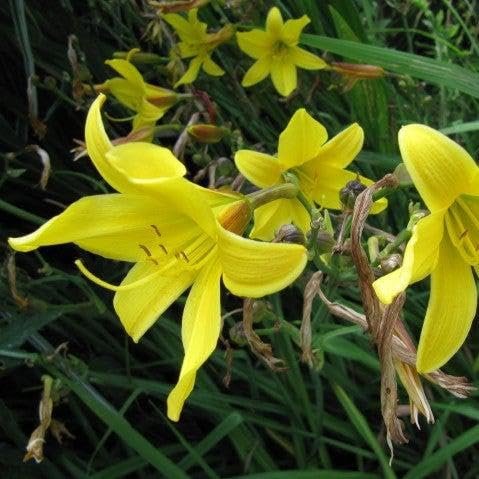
462, 222
280, 49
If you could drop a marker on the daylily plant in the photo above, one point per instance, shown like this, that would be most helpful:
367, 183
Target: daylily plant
178, 235
317, 165
150, 102
197, 44
277, 53
444, 244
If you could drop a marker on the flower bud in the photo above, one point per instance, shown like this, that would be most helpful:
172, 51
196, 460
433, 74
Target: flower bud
324, 242
349, 193
391, 263
204, 133
290, 234
357, 70
237, 334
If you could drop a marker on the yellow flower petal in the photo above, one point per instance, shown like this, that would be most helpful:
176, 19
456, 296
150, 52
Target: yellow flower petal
98, 144
212, 68
129, 72
256, 43
269, 218
440, 169
451, 309
274, 22
304, 59
185, 30
200, 332
301, 140
284, 76
191, 73
123, 91
242, 259
327, 181
114, 226
259, 168
292, 30
420, 258
340, 150
139, 308
145, 164
257, 72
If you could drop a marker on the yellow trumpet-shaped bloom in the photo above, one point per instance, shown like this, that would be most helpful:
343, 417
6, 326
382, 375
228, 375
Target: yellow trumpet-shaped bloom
444, 244
277, 53
178, 234
197, 44
150, 102
319, 166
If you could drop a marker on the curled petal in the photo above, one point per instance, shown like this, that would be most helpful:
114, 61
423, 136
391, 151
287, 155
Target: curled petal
242, 259
200, 331
420, 258
451, 309
129, 72
139, 308
440, 169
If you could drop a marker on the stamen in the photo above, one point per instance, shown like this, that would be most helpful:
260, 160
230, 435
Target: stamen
112, 287
156, 230
164, 248
464, 233
183, 254
153, 260
145, 249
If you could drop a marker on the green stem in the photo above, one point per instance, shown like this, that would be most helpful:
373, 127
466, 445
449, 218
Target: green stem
262, 197
401, 238
18, 212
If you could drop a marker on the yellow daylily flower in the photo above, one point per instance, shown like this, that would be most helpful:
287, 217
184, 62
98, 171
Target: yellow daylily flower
277, 53
318, 165
197, 44
150, 102
444, 244
178, 234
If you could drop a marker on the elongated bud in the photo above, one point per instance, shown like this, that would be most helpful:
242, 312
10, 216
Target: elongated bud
349, 193
358, 70
207, 133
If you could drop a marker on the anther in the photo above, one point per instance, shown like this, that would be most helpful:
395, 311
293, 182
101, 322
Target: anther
145, 249
464, 233
164, 249
156, 230
183, 255
153, 260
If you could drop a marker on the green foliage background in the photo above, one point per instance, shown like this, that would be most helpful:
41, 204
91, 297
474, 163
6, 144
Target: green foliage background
301, 423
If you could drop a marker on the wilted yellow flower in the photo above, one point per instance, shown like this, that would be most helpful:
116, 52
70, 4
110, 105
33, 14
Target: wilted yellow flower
277, 53
196, 43
444, 244
150, 102
317, 164
178, 235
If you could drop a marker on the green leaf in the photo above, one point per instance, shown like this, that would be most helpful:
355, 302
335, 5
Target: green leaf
433, 71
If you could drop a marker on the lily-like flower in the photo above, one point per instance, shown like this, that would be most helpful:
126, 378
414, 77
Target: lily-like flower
178, 234
277, 53
444, 244
317, 164
197, 44
150, 102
